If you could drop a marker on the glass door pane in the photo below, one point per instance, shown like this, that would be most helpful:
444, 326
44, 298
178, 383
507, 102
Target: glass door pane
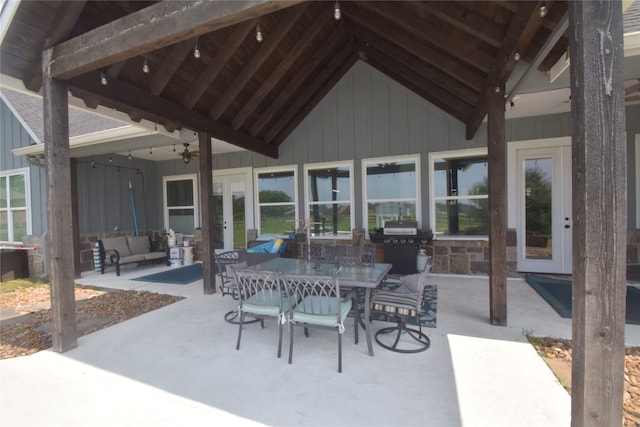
538, 208
238, 206
218, 216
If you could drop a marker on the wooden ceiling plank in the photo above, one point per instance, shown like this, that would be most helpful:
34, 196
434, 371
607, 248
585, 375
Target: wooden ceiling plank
302, 99
60, 28
126, 97
169, 66
304, 111
422, 68
522, 29
216, 65
248, 71
162, 24
432, 92
329, 46
277, 74
462, 50
431, 56
466, 20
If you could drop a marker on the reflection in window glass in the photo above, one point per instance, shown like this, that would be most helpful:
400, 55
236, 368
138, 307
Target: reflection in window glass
13, 207
329, 196
461, 196
391, 192
276, 201
180, 204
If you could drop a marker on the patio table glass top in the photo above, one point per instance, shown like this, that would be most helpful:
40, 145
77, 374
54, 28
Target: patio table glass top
359, 274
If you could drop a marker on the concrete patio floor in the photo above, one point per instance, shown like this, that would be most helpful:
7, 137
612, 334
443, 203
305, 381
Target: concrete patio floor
178, 366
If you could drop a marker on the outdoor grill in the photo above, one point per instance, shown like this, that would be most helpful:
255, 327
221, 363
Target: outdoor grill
401, 240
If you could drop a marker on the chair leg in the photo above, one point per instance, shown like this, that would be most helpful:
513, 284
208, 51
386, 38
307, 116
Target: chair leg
241, 314
339, 352
356, 317
416, 334
291, 327
280, 340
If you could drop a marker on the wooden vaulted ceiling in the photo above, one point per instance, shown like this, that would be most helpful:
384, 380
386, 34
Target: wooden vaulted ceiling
253, 94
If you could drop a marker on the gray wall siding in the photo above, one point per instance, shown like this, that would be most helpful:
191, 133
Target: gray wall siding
104, 199
13, 135
368, 115
633, 129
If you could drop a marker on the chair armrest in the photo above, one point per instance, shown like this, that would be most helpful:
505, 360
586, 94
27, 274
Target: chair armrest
114, 258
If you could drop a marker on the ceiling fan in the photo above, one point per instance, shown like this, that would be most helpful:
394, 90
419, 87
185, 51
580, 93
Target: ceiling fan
186, 154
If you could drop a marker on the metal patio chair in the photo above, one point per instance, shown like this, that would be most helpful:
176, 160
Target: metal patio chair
319, 306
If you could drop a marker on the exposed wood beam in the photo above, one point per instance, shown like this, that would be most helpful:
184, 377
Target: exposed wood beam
464, 51
466, 20
312, 94
497, 177
169, 66
599, 161
521, 31
277, 74
431, 56
329, 45
59, 212
65, 19
248, 71
154, 27
218, 62
125, 97
401, 55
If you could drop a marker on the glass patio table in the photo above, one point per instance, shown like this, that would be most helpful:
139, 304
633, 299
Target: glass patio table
358, 276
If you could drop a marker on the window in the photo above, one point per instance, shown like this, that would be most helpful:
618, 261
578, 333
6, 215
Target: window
180, 207
328, 196
276, 207
391, 189
459, 193
14, 206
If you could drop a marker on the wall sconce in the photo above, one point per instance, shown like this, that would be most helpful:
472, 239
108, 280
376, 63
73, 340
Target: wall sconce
259, 37
196, 50
337, 14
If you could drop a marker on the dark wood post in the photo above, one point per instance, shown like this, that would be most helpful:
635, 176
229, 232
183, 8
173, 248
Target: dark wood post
77, 265
59, 215
497, 208
600, 212
208, 217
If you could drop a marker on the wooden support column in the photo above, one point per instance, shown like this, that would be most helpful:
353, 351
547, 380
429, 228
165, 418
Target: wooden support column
600, 212
59, 212
497, 208
77, 265
208, 217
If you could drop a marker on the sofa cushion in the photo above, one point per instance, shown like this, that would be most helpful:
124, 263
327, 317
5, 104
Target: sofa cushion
139, 245
118, 243
132, 258
154, 255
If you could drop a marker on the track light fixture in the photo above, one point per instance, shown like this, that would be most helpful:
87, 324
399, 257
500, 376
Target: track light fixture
145, 67
196, 50
337, 14
103, 78
259, 37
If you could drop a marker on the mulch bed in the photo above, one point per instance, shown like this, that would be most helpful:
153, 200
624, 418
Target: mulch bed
30, 331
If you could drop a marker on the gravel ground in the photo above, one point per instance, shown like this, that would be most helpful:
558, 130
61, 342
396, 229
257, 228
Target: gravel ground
26, 314
559, 352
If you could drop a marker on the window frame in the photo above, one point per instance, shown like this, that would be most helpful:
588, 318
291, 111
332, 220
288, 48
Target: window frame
451, 154
27, 194
275, 169
365, 200
196, 207
329, 165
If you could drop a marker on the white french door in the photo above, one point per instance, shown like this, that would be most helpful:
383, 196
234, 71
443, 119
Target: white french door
232, 208
542, 208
